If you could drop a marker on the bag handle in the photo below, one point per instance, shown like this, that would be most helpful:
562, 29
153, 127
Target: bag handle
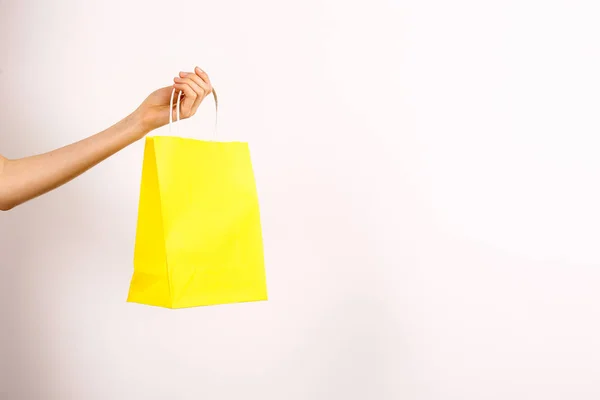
178, 101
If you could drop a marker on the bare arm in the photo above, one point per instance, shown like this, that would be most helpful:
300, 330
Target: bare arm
26, 178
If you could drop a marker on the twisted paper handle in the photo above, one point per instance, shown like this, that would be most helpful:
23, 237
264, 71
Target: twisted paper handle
179, 100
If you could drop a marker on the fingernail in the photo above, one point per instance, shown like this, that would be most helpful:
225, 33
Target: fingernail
199, 69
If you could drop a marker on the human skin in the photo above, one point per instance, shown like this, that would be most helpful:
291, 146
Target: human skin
26, 178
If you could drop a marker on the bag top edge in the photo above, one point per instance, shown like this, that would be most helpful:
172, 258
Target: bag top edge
151, 137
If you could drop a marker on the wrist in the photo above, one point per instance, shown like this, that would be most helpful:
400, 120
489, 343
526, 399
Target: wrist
138, 125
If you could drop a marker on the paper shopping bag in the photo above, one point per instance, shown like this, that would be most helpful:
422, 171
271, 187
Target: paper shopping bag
198, 239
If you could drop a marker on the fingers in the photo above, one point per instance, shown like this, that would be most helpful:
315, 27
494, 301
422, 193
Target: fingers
190, 102
199, 88
200, 78
203, 75
189, 96
195, 86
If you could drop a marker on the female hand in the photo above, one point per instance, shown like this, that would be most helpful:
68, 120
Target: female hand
194, 87
26, 178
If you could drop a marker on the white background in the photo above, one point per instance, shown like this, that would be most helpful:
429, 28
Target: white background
428, 179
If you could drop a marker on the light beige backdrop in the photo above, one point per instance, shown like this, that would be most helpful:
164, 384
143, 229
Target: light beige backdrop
428, 177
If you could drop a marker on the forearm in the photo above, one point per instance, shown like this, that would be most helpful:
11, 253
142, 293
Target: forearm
27, 178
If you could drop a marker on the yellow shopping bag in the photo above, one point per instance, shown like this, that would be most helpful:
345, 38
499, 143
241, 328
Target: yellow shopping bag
198, 239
